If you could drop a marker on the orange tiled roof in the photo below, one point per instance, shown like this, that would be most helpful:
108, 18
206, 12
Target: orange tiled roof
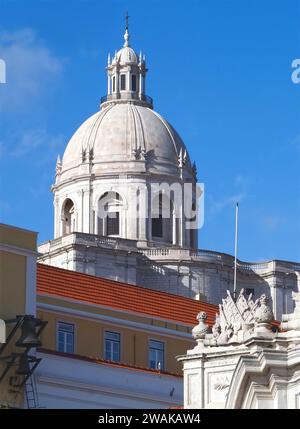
58, 282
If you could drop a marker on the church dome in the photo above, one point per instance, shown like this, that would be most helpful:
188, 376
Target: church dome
122, 171
125, 137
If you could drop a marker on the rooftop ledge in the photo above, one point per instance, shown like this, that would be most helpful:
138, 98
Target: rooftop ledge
99, 361
155, 252
127, 96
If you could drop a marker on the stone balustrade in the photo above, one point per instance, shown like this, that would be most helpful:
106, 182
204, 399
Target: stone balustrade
167, 253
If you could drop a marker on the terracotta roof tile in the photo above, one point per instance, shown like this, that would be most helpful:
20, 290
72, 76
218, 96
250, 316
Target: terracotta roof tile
63, 283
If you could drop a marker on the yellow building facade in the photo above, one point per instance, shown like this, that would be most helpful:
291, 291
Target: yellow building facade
17, 297
106, 344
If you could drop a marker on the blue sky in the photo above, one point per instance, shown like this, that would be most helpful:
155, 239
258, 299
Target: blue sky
219, 71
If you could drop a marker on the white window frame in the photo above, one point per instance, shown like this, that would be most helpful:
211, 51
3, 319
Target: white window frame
57, 335
104, 344
163, 364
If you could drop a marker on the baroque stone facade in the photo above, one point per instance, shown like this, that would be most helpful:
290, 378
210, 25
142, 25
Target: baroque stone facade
243, 361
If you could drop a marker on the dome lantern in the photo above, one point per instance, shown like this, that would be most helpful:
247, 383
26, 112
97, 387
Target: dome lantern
126, 76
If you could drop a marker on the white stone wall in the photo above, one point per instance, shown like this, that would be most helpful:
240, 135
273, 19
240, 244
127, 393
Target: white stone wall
207, 377
64, 382
135, 219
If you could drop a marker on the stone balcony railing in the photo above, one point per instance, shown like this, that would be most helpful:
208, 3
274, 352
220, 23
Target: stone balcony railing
163, 255
219, 258
87, 240
127, 96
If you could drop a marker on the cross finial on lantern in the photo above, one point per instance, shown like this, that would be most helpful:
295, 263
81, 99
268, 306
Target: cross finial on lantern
127, 20
126, 35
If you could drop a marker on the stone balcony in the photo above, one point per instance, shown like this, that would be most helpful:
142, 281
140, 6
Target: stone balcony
125, 96
88, 240
166, 254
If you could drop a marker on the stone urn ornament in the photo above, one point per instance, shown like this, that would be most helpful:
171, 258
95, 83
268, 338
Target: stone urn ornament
263, 316
199, 331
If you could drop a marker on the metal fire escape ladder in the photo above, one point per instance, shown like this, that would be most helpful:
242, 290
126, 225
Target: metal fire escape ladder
31, 393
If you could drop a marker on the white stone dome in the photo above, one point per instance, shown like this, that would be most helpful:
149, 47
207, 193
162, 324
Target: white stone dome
114, 158
126, 55
125, 137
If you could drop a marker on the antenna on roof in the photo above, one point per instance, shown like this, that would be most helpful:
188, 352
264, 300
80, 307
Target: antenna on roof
235, 250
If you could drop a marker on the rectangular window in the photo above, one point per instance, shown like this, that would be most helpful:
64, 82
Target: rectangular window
113, 223
65, 337
112, 346
114, 84
133, 82
156, 354
123, 82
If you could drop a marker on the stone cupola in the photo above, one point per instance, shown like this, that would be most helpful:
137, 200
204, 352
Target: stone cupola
126, 75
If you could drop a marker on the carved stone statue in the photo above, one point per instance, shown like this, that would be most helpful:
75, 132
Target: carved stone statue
216, 331
238, 320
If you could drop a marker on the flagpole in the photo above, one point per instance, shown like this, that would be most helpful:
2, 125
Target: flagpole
235, 249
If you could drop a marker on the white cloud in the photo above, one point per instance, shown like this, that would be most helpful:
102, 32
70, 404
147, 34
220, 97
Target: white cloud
271, 222
218, 206
34, 139
30, 68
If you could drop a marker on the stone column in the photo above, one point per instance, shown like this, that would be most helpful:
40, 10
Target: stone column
117, 81
149, 214
142, 216
108, 83
57, 218
140, 85
276, 292
144, 84
298, 280
181, 222
128, 80
84, 222
174, 227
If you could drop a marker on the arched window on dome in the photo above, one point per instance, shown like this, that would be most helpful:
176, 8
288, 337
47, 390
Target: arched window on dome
162, 219
68, 217
109, 214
